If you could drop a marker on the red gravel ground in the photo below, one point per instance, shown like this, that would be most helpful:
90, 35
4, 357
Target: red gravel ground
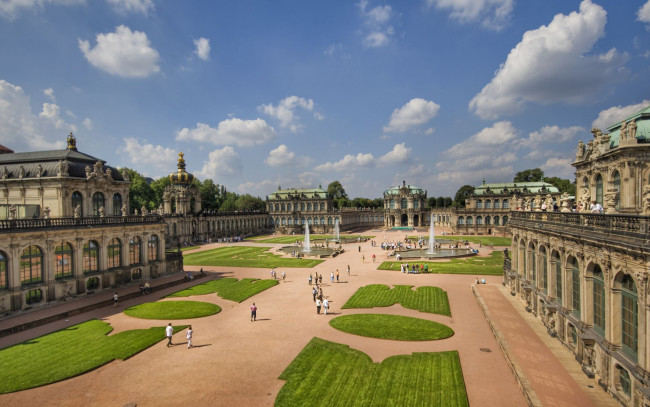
236, 362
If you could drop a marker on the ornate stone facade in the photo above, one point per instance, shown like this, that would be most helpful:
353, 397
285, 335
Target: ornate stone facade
585, 274
405, 206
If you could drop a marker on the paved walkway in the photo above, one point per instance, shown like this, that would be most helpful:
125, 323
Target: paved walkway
237, 362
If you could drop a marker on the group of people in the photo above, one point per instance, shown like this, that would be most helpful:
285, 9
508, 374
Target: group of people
169, 332
415, 269
145, 288
319, 299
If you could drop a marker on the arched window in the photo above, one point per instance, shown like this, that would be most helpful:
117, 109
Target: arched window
599, 300
316, 220
329, 220
404, 203
504, 221
416, 204
290, 221
392, 203
617, 187
625, 382
63, 260
479, 220
309, 206
533, 265
302, 206
31, 265
277, 207
496, 221
90, 257
284, 221
135, 249
114, 253
461, 220
558, 277
4, 271
117, 204
302, 221
98, 202
629, 316
488, 220
470, 221
309, 220
78, 201
506, 204
173, 229
277, 221
322, 220
599, 189
488, 204
152, 248
575, 287
479, 204
282, 206
322, 206
497, 204
544, 269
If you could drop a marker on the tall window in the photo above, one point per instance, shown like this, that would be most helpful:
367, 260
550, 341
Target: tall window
488, 220
479, 204
4, 271
31, 265
626, 383
309, 206
575, 288
496, 221
617, 187
322, 206
98, 202
599, 300
599, 189
392, 203
152, 248
488, 204
479, 220
629, 316
504, 221
461, 220
533, 266
506, 204
558, 277
63, 260
90, 257
544, 267
78, 201
114, 253
497, 204
283, 207
470, 220
135, 247
117, 204
404, 203
416, 204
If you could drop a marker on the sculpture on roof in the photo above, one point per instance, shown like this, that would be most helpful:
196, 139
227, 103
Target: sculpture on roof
631, 129
623, 130
77, 211
646, 199
581, 151
72, 142
63, 168
585, 198
21, 172
5, 173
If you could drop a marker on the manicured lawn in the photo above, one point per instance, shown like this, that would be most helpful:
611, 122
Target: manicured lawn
330, 374
172, 310
229, 288
71, 352
288, 239
245, 256
492, 265
394, 327
426, 299
485, 240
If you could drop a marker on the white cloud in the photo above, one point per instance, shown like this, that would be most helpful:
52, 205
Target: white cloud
416, 112
399, 154
496, 136
245, 133
348, 163
282, 157
132, 6
221, 162
202, 48
615, 114
554, 134
260, 188
377, 28
551, 64
144, 155
88, 123
123, 53
49, 92
643, 14
9, 9
493, 14
284, 111
558, 167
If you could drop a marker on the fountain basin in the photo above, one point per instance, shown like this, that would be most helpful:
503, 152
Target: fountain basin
317, 252
438, 254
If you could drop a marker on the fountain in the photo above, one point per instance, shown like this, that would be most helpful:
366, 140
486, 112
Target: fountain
306, 247
432, 239
337, 233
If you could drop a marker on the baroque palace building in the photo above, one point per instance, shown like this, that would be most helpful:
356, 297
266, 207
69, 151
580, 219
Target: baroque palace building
65, 231
584, 274
405, 206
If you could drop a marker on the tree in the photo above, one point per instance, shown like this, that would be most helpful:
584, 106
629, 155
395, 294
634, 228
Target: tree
229, 202
158, 188
140, 192
210, 195
432, 202
462, 194
248, 202
563, 185
440, 202
336, 192
448, 202
534, 175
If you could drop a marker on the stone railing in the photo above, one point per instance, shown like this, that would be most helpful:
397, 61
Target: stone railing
631, 225
71, 223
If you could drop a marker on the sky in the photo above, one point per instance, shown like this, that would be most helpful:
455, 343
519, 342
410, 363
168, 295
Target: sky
288, 93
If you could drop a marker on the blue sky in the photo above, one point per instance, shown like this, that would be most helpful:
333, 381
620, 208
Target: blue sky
258, 94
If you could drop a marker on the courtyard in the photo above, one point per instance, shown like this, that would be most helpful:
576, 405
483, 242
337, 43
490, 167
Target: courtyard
235, 361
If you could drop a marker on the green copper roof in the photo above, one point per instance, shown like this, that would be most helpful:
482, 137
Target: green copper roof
411, 190
642, 118
509, 188
304, 193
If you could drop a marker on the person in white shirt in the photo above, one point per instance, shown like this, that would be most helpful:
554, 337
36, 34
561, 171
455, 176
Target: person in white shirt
188, 336
169, 331
326, 305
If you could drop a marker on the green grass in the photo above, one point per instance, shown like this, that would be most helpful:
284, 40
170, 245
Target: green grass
393, 327
172, 310
70, 352
288, 239
425, 299
245, 256
229, 288
475, 240
330, 374
492, 265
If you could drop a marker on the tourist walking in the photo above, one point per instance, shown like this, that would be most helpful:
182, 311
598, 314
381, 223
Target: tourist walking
309, 278
348, 269
188, 336
318, 303
320, 279
169, 331
363, 258
253, 312
331, 276
116, 298
326, 305
283, 276
314, 291
337, 275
